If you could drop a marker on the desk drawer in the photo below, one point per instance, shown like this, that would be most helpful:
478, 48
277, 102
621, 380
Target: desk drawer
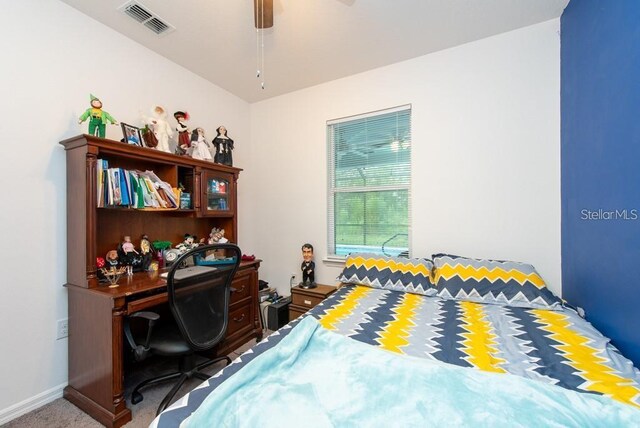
241, 288
305, 301
239, 319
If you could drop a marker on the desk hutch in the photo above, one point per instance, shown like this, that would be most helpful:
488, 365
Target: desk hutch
96, 312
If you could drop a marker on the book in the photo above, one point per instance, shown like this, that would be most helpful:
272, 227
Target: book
99, 183
124, 187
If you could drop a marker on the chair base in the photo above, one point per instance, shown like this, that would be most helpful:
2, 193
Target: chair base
187, 369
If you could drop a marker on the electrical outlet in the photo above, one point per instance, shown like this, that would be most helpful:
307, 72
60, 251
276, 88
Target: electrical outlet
63, 329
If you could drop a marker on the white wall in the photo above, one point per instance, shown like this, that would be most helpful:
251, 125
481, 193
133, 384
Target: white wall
486, 155
53, 57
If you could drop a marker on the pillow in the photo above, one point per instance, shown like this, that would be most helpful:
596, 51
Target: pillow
389, 273
491, 281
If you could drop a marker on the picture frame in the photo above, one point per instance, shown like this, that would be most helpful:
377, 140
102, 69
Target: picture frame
131, 134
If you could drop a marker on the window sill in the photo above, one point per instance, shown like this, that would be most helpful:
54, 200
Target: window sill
334, 261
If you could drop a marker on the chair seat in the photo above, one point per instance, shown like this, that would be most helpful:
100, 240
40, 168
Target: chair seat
168, 341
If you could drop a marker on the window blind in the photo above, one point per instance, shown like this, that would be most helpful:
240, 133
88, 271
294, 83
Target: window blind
369, 182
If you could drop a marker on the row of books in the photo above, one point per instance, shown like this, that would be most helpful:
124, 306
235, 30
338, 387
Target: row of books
117, 187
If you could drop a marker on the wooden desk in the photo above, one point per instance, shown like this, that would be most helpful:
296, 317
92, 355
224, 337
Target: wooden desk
96, 339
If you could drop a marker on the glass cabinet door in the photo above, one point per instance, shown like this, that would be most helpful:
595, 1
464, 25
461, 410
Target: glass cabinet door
218, 193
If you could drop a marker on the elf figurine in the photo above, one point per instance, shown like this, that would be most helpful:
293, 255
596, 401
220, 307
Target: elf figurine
98, 118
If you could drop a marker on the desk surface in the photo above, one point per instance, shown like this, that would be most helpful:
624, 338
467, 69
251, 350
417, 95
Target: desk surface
142, 283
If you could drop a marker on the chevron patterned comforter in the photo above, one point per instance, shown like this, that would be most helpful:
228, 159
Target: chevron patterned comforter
552, 346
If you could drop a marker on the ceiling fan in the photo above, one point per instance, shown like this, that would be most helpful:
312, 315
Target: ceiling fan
263, 13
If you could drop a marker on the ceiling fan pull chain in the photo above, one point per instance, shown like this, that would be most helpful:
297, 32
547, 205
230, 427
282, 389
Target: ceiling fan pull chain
257, 53
262, 53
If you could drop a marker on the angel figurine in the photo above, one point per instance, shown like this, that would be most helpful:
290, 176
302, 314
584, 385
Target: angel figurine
160, 126
199, 145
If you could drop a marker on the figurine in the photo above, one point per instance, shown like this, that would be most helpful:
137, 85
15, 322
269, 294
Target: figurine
145, 251
308, 267
199, 145
188, 243
183, 132
217, 236
98, 118
161, 128
127, 246
128, 256
112, 259
224, 147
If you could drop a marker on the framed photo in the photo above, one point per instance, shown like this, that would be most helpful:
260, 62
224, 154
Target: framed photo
131, 134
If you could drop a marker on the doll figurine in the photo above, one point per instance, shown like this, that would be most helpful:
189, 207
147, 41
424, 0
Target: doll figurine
224, 147
308, 267
161, 129
145, 251
188, 243
183, 131
98, 118
112, 259
199, 145
217, 236
130, 257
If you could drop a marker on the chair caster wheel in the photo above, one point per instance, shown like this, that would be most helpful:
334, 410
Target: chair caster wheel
136, 397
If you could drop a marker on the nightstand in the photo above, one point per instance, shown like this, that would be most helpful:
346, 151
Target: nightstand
303, 299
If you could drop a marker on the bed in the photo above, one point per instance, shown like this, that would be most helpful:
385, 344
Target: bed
415, 342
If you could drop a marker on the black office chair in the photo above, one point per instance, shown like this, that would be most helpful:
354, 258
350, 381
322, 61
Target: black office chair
199, 287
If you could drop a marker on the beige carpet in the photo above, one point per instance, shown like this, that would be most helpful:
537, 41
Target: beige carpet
62, 414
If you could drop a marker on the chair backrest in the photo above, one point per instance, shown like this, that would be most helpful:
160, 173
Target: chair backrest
199, 287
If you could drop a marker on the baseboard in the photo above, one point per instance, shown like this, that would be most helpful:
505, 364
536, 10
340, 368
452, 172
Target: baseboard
30, 404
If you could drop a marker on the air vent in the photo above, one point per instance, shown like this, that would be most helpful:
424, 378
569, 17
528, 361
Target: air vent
156, 25
144, 16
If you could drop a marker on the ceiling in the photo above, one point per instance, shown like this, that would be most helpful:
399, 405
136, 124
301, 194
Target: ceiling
312, 41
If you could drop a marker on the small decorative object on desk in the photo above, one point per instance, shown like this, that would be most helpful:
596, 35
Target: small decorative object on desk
188, 243
224, 147
113, 274
129, 256
98, 118
146, 252
217, 236
131, 134
183, 132
112, 259
160, 127
308, 267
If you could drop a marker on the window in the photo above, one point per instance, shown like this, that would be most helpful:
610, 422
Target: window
369, 183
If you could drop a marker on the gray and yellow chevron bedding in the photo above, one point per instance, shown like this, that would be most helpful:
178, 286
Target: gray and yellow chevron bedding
556, 346
552, 346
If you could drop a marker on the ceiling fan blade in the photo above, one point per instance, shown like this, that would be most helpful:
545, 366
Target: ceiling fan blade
263, 13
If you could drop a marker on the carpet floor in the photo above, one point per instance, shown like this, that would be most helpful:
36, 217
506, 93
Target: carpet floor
62, 414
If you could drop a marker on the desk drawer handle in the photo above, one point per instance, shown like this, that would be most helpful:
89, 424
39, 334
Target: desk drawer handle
235, 290
307, 302
239, 319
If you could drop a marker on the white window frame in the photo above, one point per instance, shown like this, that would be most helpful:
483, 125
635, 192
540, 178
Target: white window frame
331, 190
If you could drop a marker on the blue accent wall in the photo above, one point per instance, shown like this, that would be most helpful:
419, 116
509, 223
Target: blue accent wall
600, 156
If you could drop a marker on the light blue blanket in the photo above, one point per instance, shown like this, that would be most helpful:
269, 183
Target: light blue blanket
316, 378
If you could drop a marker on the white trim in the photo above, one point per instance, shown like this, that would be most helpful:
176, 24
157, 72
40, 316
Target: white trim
334, 260
369, 114
25, 406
